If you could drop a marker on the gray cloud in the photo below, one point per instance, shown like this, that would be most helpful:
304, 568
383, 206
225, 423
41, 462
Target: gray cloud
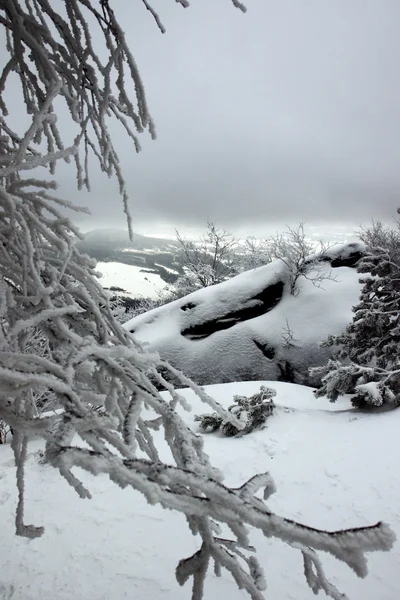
290, 112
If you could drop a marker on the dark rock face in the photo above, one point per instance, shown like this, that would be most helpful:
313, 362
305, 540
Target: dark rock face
188, 306
346, 255
265, 301
267, 351
349, 261
236, 330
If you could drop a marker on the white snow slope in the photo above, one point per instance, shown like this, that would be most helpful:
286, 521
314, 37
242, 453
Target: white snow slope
334, 468
136, 282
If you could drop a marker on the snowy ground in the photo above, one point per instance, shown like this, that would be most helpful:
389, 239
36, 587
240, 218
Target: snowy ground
333, 467
132, 279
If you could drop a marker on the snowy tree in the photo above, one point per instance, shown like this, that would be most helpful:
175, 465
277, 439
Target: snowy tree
206, 261
300, 256
368, 362
125, 308
253, 253
218, 256
48, 285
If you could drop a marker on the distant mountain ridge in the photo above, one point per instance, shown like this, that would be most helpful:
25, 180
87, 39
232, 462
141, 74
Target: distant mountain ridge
157, 255
118, 239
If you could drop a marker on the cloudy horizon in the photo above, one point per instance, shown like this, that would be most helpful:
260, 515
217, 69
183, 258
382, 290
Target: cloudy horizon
288, 113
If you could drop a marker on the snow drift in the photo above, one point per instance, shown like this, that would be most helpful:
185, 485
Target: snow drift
252, 327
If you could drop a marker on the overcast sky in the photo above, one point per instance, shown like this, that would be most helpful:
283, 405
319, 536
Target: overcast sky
290, 112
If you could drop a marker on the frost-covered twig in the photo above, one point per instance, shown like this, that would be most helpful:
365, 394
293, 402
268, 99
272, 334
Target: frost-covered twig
315, 575
300, 257
54, 54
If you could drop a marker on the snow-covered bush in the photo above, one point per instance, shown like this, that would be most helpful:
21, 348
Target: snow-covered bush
184, 285
206, 261
367, 364
125, 308
5, 429
218, 256
253, 253
300, 256
253, 412
90, 361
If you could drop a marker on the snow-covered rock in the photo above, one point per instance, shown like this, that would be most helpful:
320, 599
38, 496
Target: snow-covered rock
252, 326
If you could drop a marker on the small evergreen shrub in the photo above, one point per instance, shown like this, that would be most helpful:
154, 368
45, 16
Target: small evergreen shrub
252, 411
367, 364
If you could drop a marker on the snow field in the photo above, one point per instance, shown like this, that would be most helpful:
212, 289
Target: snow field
130, 278
333, 467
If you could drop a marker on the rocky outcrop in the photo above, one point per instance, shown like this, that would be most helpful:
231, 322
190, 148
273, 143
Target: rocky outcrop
252, 326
